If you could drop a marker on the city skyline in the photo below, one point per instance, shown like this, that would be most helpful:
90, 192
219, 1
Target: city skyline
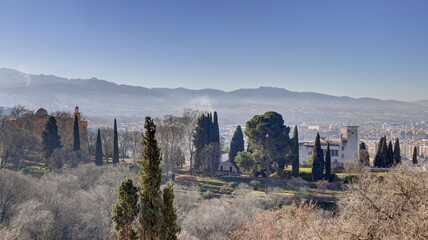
357, 49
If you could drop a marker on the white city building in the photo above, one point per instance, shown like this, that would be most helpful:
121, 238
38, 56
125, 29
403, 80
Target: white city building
344, 150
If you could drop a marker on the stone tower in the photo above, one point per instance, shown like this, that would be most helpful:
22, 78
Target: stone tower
351, 144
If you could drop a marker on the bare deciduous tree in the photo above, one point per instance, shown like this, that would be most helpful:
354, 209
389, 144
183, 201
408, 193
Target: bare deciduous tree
107, 141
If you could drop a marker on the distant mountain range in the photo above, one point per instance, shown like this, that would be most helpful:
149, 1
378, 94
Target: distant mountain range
102, 98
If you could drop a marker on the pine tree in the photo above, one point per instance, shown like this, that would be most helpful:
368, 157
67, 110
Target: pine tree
236, 145
318, 160
76, 134
125, 210
50, 137
328, 163
389, 155
98, 150
415, 155
115, 144
295, 161
169, 216
150, 216
397, 152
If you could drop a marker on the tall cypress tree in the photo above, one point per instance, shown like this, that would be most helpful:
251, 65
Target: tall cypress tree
415, 155
318, 160
389, 155
200, 140
115, 144
236, 145
397, 152
50, 137
295, 145
150, 217
216, 129
382, 152
76, 134
169, 223
215, 161
98, 150
125, 210
328, 163
364, 155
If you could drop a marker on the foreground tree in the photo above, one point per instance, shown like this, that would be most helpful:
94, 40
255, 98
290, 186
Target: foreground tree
169, 225
318, 160
125, 210
415, 155
150, 216
397, 152
76, 134
98, 150
115, 144
50, 137
236, 145
295, 161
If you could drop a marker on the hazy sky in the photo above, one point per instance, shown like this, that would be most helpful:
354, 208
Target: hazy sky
358, 48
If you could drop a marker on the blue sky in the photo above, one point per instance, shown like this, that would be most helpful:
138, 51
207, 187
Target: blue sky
365, 48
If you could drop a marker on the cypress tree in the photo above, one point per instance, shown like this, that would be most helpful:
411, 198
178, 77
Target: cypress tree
125, 210
216, 129
381, 155
295, 145
169, 225
397, 152
415, 155
200, 141
50, 137
216, 143
389, 155
150, 217
236, 145
328, 163
98, 150
76, 134
318, 160
364, 155
115, 144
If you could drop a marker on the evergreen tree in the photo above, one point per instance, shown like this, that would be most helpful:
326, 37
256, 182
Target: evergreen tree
381, 155
415, 155
364, 155
207, 143
76, 134
115, 144
50, 137
318, 160
98, 150
236, 145
150, 216
200, 140
295, 161
397, 152
389, 155
328, 163
125, 210
169, 227
216, 129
